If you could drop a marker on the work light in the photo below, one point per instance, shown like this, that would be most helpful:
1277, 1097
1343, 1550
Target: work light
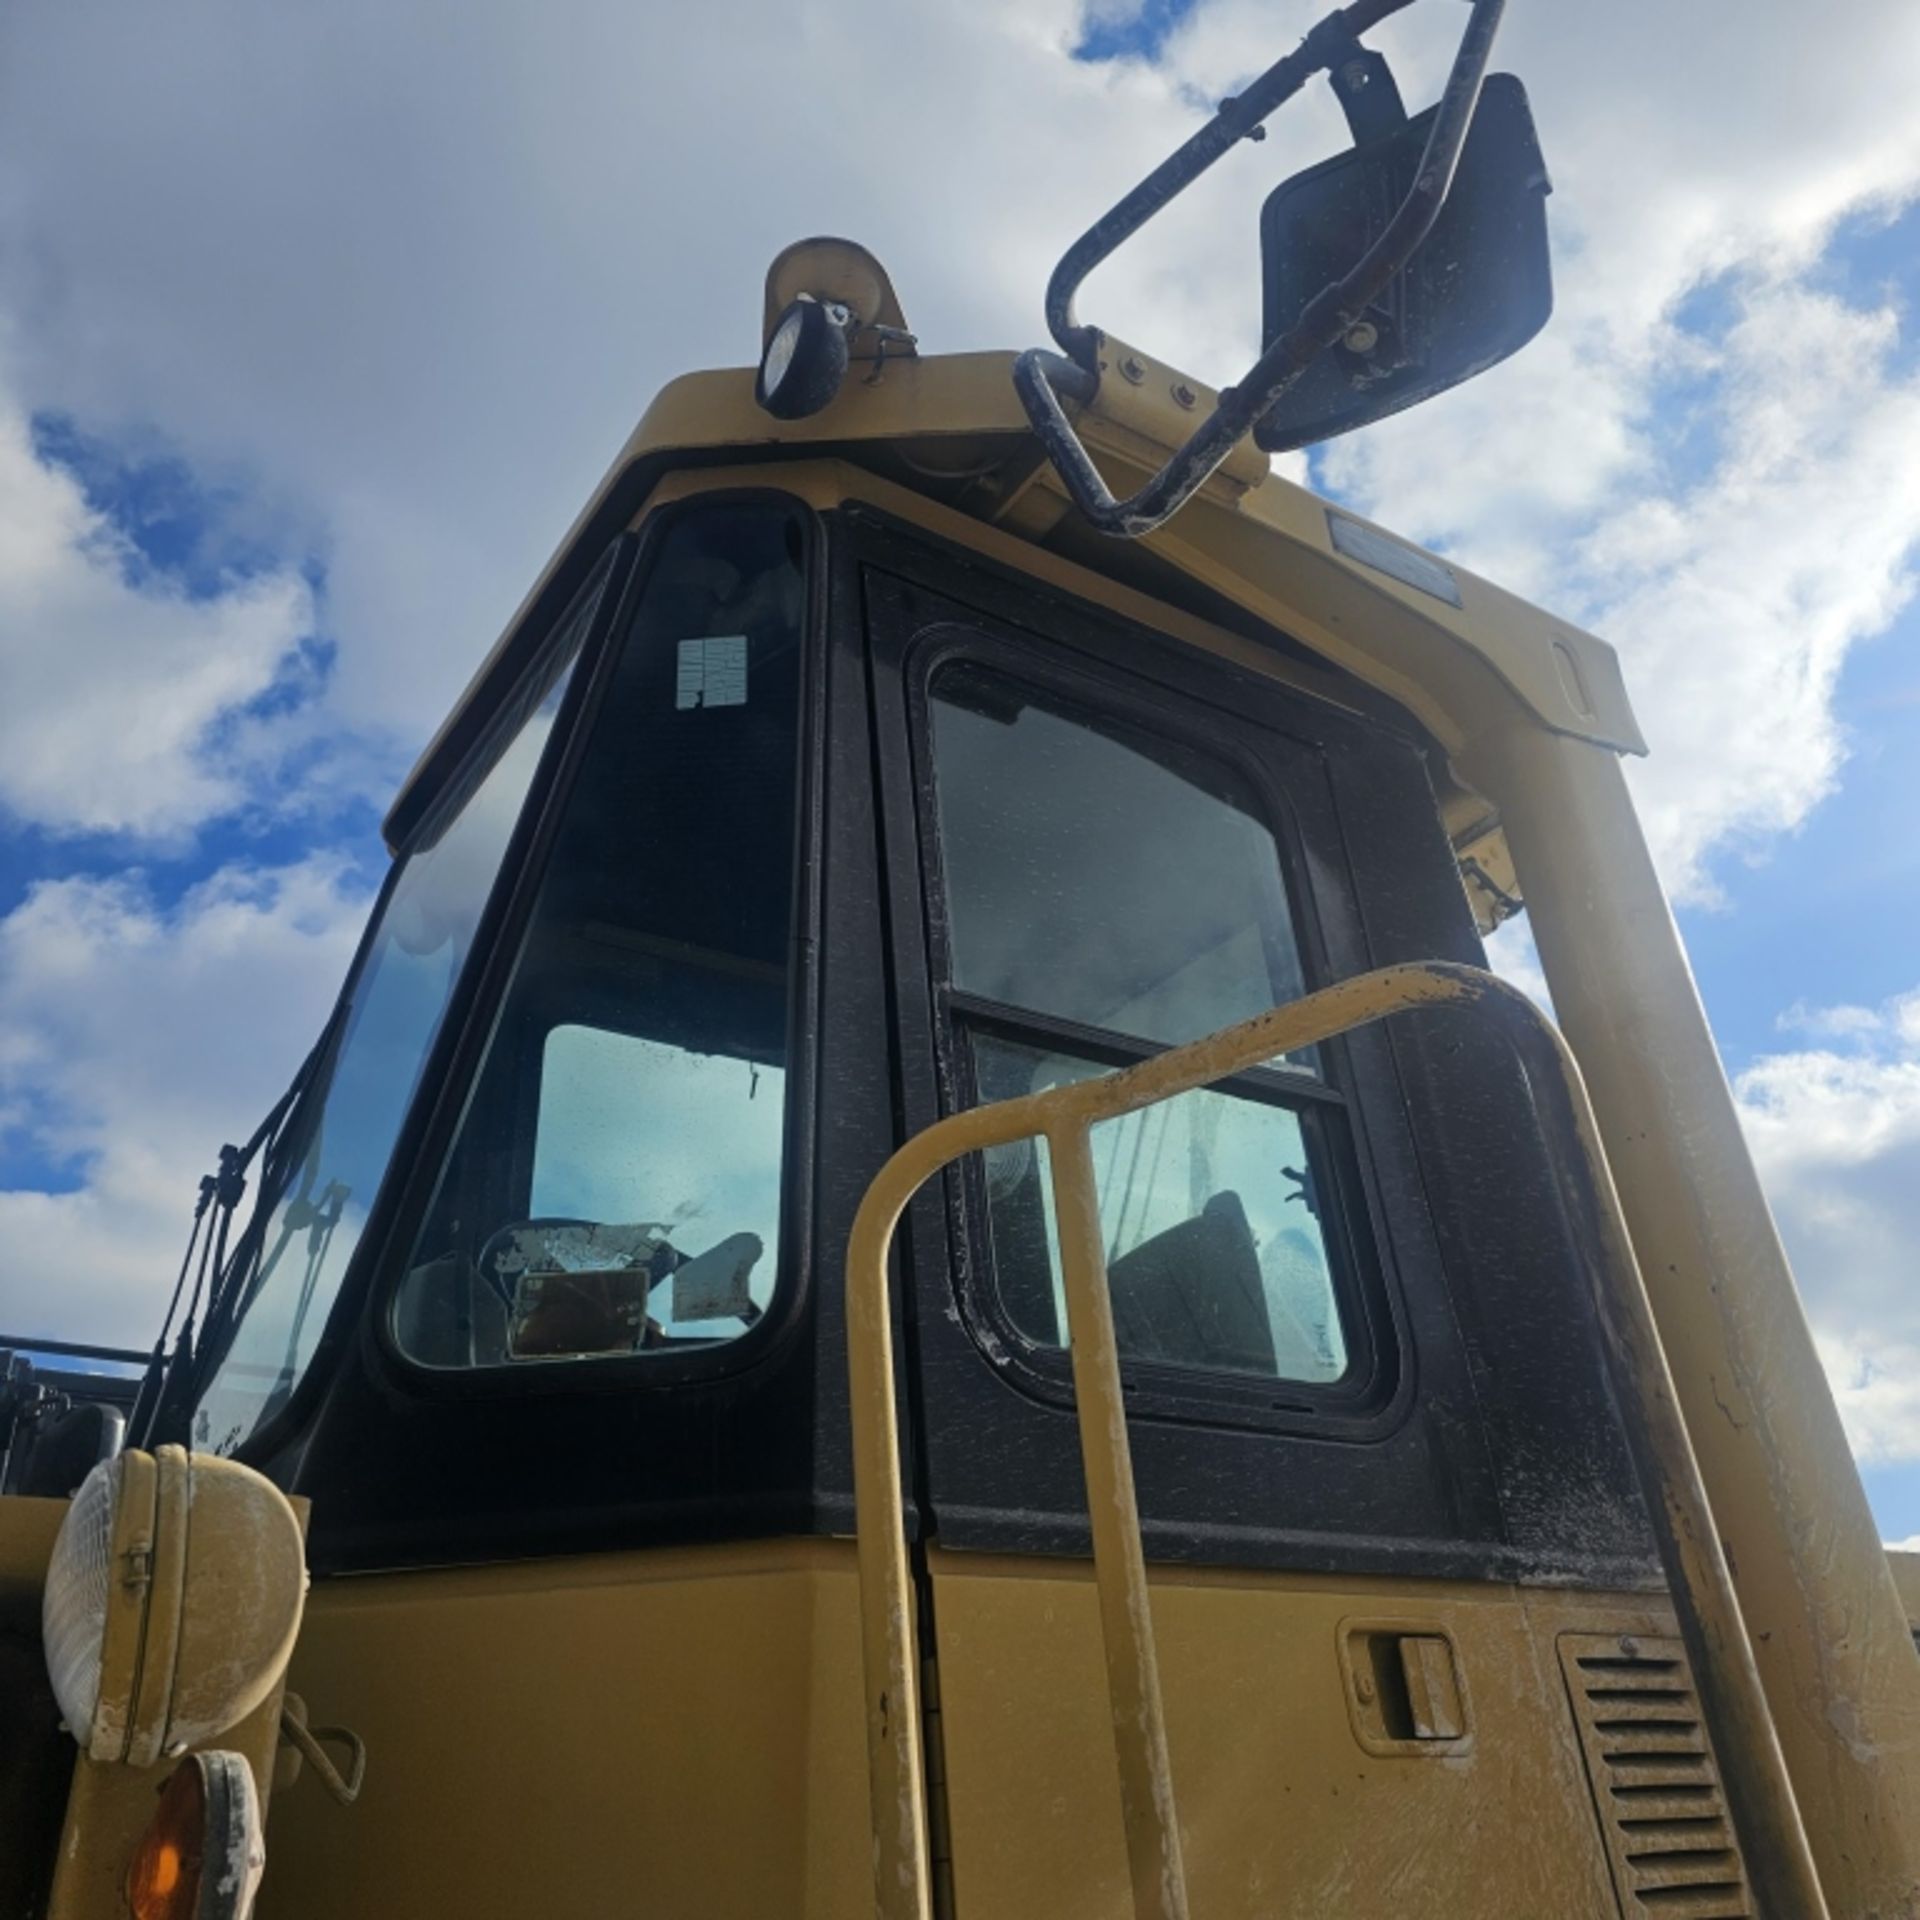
805, 359
76, 1601
172, 1600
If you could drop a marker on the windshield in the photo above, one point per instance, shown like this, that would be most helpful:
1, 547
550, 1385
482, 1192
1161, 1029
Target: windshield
397, 1000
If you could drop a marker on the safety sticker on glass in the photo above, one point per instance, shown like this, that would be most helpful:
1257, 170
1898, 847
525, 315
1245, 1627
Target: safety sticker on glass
713, 672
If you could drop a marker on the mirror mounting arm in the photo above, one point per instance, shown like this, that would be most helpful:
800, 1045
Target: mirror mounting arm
1322, 321
1363, 83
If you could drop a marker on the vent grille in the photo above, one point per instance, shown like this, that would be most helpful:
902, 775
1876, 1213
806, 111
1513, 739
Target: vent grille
1654, 1778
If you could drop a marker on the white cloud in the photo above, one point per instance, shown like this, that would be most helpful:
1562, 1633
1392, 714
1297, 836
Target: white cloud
134, 1039
1736, 599
1831, 1023
114, 677
426, 292
423, 267
1836, 1132
1836, 1135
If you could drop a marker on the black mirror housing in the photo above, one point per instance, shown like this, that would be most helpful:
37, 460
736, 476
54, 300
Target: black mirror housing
1478, 288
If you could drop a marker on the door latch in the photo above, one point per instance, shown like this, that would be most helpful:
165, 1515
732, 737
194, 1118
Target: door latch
1403, 1687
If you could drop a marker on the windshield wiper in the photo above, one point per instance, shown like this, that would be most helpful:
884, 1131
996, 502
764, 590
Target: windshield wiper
171, 1382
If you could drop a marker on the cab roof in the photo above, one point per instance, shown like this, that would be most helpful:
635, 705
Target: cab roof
1459, 653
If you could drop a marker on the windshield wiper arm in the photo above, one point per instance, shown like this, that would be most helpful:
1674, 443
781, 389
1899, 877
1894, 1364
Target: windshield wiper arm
171, 1379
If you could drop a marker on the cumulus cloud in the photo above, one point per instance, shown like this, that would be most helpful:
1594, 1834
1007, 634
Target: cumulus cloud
134, 1038
1512, 954
115, 676
1836, 1131
427, 293
423, 266
1736, 598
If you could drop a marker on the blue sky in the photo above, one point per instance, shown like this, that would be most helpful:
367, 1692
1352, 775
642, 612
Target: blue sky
1130, 32
298, 387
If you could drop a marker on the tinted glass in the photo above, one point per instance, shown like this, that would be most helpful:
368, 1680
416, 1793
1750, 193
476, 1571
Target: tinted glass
615, 1186
397, 1001
1101, 876
1097, 874
630, 1128
1210, 1216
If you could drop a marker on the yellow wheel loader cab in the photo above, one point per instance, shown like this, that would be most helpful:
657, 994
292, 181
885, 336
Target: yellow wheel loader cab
921, 1273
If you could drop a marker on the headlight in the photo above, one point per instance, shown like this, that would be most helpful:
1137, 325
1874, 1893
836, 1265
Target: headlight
805, 359
172, 1600
79, 1585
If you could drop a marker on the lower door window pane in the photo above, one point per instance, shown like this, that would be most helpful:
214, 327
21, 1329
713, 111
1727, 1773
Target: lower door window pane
1210, 1211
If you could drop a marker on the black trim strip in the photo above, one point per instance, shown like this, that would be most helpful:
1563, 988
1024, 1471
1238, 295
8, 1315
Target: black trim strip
1274, 1086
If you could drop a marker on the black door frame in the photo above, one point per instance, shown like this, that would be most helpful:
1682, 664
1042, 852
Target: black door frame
1442, 1477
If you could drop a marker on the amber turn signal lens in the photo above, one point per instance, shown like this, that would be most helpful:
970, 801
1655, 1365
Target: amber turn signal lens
201, 1855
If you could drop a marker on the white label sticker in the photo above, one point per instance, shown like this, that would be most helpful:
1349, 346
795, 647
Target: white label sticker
713, 672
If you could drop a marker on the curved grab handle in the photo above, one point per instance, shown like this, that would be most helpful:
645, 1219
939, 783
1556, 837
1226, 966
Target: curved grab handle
1322, 321
1766, 1817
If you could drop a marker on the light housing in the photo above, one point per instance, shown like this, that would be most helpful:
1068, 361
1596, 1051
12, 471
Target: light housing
806, 358
203, 1852
81, 1573
172, 1601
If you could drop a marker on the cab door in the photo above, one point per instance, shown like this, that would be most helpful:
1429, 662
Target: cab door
1379, 1473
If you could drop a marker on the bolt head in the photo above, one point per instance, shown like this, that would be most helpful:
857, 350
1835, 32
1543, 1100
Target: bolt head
1184, 395
1362, 337
1133, 370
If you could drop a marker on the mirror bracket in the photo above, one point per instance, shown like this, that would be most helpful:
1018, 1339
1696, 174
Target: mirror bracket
1325, 318
1369, 96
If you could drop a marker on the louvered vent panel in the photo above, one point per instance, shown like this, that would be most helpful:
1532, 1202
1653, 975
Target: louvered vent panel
1654, 1778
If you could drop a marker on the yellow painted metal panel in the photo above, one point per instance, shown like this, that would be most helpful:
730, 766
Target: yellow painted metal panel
1283, 1812
672, 1732
1906, 1580
27, 1530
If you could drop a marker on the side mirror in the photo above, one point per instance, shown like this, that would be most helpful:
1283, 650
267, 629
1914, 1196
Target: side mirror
1478, 288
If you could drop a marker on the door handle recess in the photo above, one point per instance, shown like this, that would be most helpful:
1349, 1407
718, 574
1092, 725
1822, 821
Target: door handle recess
1403, 1687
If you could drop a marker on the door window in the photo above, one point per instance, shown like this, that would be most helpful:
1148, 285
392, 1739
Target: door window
1108, 892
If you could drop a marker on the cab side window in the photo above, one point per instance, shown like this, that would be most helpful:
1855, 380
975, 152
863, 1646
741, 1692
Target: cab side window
616, 1186
1105, 893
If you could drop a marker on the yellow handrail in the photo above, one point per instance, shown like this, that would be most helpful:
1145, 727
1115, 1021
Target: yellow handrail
1760, 1797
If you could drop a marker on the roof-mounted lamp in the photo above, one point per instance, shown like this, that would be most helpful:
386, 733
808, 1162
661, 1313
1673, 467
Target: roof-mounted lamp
806, 358
828, 304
